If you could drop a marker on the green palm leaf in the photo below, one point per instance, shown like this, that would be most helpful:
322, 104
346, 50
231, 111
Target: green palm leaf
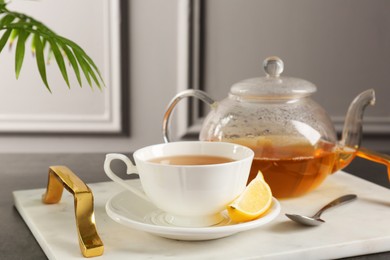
83, 66
83, 54
19, 53
4, 38
18, 27
88, 72
60, 61
7, 19
72, 61
40, 57
12, 38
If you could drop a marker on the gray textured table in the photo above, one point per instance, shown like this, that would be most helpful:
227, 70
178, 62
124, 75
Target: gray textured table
29, 171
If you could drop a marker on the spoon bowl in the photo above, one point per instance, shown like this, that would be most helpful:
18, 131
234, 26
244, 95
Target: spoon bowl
305, 220
315, 220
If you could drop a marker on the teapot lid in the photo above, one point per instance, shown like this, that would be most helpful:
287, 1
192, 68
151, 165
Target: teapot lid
273, 85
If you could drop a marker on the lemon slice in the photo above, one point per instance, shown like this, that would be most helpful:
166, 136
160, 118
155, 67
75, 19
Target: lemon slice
253, 202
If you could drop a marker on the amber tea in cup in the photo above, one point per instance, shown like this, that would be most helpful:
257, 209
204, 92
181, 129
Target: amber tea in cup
191, 160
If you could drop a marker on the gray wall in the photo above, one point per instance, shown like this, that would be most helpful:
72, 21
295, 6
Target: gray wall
341, 46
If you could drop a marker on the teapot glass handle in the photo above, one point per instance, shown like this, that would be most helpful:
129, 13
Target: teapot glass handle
186, 93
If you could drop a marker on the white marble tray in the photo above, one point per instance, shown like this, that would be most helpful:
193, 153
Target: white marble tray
361, 227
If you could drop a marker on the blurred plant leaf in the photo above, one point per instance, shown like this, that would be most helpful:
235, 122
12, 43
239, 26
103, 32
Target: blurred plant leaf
17, 27
72, 61
60, 61
4, 38
7, 19
19, 53
83, 66
90, 68
40, 57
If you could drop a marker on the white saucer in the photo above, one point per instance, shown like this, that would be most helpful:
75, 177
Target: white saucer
130, 210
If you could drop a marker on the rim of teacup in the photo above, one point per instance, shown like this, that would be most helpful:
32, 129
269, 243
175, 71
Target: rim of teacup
248, 153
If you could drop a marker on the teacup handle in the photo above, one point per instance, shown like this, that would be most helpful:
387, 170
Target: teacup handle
186, 93
131, 169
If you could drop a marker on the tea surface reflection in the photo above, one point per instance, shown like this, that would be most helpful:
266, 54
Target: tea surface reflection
191, 160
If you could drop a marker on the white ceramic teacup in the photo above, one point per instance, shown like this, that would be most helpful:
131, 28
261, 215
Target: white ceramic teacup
191, 195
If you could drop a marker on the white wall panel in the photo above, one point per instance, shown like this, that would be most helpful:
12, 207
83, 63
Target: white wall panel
25, 104
150, 71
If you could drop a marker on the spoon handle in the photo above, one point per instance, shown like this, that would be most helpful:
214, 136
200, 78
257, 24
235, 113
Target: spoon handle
339, 201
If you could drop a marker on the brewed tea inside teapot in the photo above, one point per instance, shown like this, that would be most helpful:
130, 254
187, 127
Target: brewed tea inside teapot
294, 140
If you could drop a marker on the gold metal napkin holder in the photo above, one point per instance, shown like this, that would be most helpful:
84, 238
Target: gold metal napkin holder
61, 177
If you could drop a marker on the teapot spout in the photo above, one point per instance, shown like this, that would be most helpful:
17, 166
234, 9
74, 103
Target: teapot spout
352, 131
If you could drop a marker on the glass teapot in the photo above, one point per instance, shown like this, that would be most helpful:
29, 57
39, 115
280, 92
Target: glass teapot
293, 138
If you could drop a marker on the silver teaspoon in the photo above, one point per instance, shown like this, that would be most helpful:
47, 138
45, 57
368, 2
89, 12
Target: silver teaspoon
316, 220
